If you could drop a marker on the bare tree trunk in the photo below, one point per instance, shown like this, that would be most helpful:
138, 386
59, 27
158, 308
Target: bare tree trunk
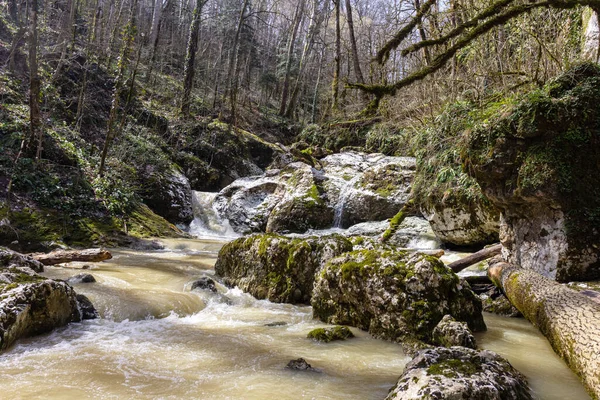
474, 258
423, 35
190, 58
313, 30
569, 320
298, 15
155, 37
119, 83
35, 120
232, 80
357, 70
335, 83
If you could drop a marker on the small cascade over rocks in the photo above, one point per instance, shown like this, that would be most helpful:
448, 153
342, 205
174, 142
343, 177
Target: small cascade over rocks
346, 189
207, 221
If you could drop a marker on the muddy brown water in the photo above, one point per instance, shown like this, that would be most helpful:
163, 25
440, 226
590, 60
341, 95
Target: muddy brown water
158, 340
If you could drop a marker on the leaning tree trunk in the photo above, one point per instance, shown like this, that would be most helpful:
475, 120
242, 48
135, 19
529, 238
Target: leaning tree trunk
335, 83
569, 320
353, 47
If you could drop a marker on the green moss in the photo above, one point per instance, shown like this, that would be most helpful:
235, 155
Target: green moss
19, 278
327, 335
395, 223
453, 368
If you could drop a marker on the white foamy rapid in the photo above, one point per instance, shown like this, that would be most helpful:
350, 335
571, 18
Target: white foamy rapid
207, 222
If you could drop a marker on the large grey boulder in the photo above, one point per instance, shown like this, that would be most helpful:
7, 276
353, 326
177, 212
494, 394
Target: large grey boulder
343, 190
394, 295
29, 303
275, 267
462, 222
458, 373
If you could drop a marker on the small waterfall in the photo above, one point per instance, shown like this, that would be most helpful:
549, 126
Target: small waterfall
207, 221
346, 189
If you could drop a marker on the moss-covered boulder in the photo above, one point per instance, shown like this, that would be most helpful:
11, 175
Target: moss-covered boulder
327, 335
394, 295
29, 303
275, 267
537, 160
168, 194
459, 373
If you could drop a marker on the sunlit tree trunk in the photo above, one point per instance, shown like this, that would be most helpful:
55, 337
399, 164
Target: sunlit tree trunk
190, 58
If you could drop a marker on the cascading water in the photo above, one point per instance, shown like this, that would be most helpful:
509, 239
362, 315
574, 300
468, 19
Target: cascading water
346, 189
207, 222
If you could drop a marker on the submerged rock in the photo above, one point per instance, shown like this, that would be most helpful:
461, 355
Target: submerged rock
449, 332
327, 335
29, 303
394, 295
82, 278
86, 308
300, 364
459, 373
276, 267
204, 283
538, 162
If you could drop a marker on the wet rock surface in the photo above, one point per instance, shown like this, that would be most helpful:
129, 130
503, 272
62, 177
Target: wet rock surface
300, 364
450, 332
82, 278
204, 283
29, 303
394, 295
459, 373
276, 267
342, 190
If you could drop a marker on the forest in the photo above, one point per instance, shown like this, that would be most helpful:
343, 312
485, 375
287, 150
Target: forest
194, 192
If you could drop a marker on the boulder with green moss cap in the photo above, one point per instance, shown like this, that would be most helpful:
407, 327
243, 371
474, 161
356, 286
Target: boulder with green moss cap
275, 267
393, 294
459, 373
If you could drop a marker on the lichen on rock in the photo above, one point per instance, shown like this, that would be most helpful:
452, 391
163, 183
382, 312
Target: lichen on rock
459, 373
450, 332
393, 294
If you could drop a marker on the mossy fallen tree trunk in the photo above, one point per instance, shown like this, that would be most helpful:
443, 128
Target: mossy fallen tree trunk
569, 320
63, 256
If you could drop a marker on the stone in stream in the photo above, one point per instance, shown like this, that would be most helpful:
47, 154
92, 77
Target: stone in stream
327, 335
459, 373
81, 278
394, 295
450, 332
87, 309
300, 364
204, 283
277, 268
31, 304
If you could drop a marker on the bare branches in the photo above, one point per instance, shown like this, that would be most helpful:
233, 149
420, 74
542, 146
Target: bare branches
384, 52
496, 15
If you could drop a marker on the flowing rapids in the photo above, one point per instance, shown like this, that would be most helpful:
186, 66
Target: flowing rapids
158, 340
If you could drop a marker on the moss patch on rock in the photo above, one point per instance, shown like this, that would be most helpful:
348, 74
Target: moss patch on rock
275, 267
393, 294
327, 335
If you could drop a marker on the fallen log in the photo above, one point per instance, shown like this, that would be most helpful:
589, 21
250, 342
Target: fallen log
569, 320
474, 258
64, 256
